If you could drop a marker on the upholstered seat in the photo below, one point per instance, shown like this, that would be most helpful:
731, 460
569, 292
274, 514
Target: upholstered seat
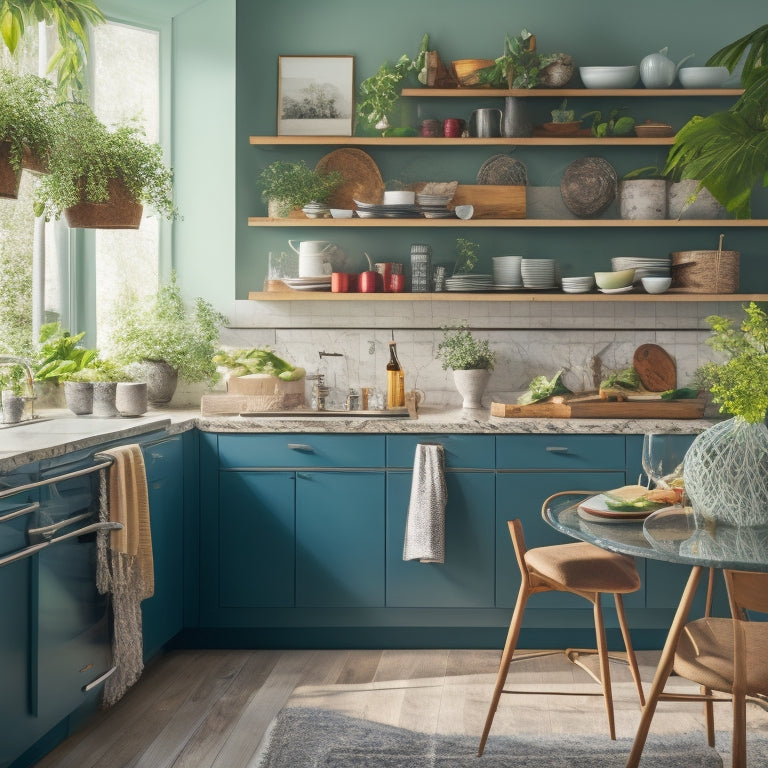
582, 569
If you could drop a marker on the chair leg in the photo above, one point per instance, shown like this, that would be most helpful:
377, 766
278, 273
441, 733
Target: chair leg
709, 716
631, 658
739, 738
506, 660
605, 672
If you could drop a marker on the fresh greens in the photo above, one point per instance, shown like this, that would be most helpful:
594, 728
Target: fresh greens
615, 125
59, 355
639, 504
242, 362
626, 378
541, 388
684, 393
461, 351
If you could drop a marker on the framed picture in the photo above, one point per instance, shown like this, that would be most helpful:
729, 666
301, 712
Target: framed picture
315, 95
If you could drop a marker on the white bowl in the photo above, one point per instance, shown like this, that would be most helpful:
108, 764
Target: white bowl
341, 213
703, 77
612, 280
399, 197
610, 77
656, 284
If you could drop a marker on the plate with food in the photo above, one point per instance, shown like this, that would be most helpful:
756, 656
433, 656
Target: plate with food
630, 502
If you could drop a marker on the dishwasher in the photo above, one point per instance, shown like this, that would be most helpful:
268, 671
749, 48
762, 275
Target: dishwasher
57, 618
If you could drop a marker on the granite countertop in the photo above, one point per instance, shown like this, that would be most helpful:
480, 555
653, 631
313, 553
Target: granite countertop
57, 433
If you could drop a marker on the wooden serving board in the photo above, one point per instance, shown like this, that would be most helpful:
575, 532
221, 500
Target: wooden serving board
655, 368
491, 201
592, 407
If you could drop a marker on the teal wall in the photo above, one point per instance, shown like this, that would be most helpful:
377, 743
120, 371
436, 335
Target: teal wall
593, 31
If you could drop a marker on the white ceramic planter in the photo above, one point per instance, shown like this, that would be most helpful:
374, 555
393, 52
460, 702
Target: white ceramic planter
471, 385
131, 398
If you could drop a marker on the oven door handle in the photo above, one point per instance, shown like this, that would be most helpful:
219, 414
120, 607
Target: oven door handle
45, 533
33, 507
35, 548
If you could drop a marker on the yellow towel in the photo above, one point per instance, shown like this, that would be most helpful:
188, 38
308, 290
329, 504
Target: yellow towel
129, 505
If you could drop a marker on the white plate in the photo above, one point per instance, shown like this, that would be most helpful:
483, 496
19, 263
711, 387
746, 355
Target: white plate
625, 289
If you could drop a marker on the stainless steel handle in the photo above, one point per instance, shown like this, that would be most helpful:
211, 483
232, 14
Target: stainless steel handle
98, 681
46, 532
556, 449
29, 551
52, 480
19, 512
301, 447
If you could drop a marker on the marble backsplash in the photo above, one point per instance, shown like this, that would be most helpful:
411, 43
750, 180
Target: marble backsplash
529, 338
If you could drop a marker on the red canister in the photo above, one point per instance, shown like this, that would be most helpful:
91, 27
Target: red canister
453, 127
339, 282
366, 282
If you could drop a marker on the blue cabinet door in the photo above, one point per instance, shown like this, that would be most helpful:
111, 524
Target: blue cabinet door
162, 614
256, 539
340, 539
466, 578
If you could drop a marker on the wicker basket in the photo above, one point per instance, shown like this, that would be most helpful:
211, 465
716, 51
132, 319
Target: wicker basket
466, 70
705, 271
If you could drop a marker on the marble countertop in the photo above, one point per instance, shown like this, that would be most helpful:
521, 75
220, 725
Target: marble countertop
57, 433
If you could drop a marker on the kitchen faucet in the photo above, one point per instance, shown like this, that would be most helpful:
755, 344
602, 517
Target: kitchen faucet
6, 360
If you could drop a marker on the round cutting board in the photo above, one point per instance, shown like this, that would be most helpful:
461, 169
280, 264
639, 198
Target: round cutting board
655, 367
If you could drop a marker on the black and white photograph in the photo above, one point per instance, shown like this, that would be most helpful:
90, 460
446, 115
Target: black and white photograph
315, 95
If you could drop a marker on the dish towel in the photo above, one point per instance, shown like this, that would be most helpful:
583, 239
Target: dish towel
425, 526
125, 566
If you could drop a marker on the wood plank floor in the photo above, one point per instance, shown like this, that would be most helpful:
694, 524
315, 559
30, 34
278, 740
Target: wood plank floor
211, 708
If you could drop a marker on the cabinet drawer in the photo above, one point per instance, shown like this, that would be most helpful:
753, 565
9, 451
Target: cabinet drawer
467, 451
560, 452
301, 450
162, 458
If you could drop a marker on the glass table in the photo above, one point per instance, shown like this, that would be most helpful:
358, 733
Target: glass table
673, 534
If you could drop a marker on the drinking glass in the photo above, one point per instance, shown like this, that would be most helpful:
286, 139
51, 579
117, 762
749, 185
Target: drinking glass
663, 458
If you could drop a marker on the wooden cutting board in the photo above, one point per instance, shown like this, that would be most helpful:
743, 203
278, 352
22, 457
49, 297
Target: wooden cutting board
655, 367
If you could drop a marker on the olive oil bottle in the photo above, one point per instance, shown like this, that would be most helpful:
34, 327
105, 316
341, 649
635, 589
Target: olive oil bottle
395, 379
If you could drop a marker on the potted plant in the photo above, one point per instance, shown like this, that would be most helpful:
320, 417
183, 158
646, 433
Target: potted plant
470, 359
518, 66
101, 178
642, 194
726, 467
12, 394
99, 380
467, 256
71, 19
168, 339
287, 186
26, 127
727, 151
379, 93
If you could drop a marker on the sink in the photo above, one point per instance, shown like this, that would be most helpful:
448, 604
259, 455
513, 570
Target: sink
391, 413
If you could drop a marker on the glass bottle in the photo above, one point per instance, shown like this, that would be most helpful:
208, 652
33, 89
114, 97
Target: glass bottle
395, 379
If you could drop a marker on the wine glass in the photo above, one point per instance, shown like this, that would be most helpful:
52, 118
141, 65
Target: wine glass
663, 458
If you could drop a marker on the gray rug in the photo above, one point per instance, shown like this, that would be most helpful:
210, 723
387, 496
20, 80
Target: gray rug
315, 738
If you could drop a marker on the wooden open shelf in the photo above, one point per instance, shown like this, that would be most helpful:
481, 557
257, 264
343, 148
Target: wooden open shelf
443, 93
517, 296
420, 141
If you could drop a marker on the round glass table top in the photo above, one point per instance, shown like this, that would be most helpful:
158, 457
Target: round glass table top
673, 534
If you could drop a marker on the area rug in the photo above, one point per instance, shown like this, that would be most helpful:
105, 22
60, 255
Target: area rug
304, 737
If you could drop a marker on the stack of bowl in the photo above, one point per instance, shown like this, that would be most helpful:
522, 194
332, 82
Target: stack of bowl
538, 274
578, 284
506, 272
651, 267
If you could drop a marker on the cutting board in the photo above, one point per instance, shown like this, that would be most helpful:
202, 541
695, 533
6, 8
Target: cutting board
655, 367
591, 406
491, 201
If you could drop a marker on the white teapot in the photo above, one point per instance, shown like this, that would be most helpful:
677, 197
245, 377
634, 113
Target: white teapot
314, 257
658, 71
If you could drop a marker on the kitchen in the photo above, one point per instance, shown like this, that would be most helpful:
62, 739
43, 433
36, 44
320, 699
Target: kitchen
228, 52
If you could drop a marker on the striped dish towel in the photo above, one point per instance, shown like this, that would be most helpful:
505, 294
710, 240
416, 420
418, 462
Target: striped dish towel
425, 527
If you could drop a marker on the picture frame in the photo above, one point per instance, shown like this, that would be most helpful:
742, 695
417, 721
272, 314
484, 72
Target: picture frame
315, 95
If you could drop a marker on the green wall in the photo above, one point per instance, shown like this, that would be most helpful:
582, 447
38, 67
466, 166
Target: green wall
593, 31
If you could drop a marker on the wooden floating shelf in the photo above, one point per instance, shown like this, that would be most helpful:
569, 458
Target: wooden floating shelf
443, 93
420, 141
520, 296
257, 221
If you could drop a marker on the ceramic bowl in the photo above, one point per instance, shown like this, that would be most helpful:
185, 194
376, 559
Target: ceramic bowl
399, 197
610, 77
656, 284
341, 213
612, 280
703, 77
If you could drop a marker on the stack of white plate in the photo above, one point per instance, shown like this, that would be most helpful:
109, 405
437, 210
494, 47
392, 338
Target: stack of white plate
506, 272
578, 284
309, 283
316, 210
470, 282
435, 206
659, 267
538, 274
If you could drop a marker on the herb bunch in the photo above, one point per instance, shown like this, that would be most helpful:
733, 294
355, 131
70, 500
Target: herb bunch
460, 351
293, 185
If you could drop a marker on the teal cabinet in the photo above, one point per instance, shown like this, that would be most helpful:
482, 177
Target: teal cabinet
339, 539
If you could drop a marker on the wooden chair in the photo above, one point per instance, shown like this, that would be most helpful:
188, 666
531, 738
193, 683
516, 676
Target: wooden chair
728, 655
582, 569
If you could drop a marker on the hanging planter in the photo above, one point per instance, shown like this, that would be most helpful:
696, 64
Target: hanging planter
9, 176
119, 211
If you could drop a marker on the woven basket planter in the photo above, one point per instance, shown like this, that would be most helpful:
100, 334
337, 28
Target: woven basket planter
705, 271
119, 211
589, 186
9, 177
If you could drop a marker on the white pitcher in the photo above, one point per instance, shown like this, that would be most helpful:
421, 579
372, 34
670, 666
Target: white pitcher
658, 71
314, 257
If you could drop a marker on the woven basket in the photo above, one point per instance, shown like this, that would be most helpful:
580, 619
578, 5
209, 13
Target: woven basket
705, 271
589, 186
466, 70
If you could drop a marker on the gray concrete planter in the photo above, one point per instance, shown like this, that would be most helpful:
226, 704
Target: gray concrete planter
131, 398
104, 393
642, 199
161, 381
79, 397
13, 407
679, 205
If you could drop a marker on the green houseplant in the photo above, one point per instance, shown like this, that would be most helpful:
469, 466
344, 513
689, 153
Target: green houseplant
91, 165
167, 338
471, 360
286, 186
727, 151
518, 66
27, 126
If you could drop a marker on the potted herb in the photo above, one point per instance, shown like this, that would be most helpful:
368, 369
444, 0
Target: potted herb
26, 127
379, 93
466, 259
470, 359
101, 178
615, 124
519, 64
98, 384
726, 467
169, 340
727, 152
12, 394
287, 186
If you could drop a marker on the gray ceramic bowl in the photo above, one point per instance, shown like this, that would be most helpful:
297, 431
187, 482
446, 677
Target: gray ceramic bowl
610, 77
